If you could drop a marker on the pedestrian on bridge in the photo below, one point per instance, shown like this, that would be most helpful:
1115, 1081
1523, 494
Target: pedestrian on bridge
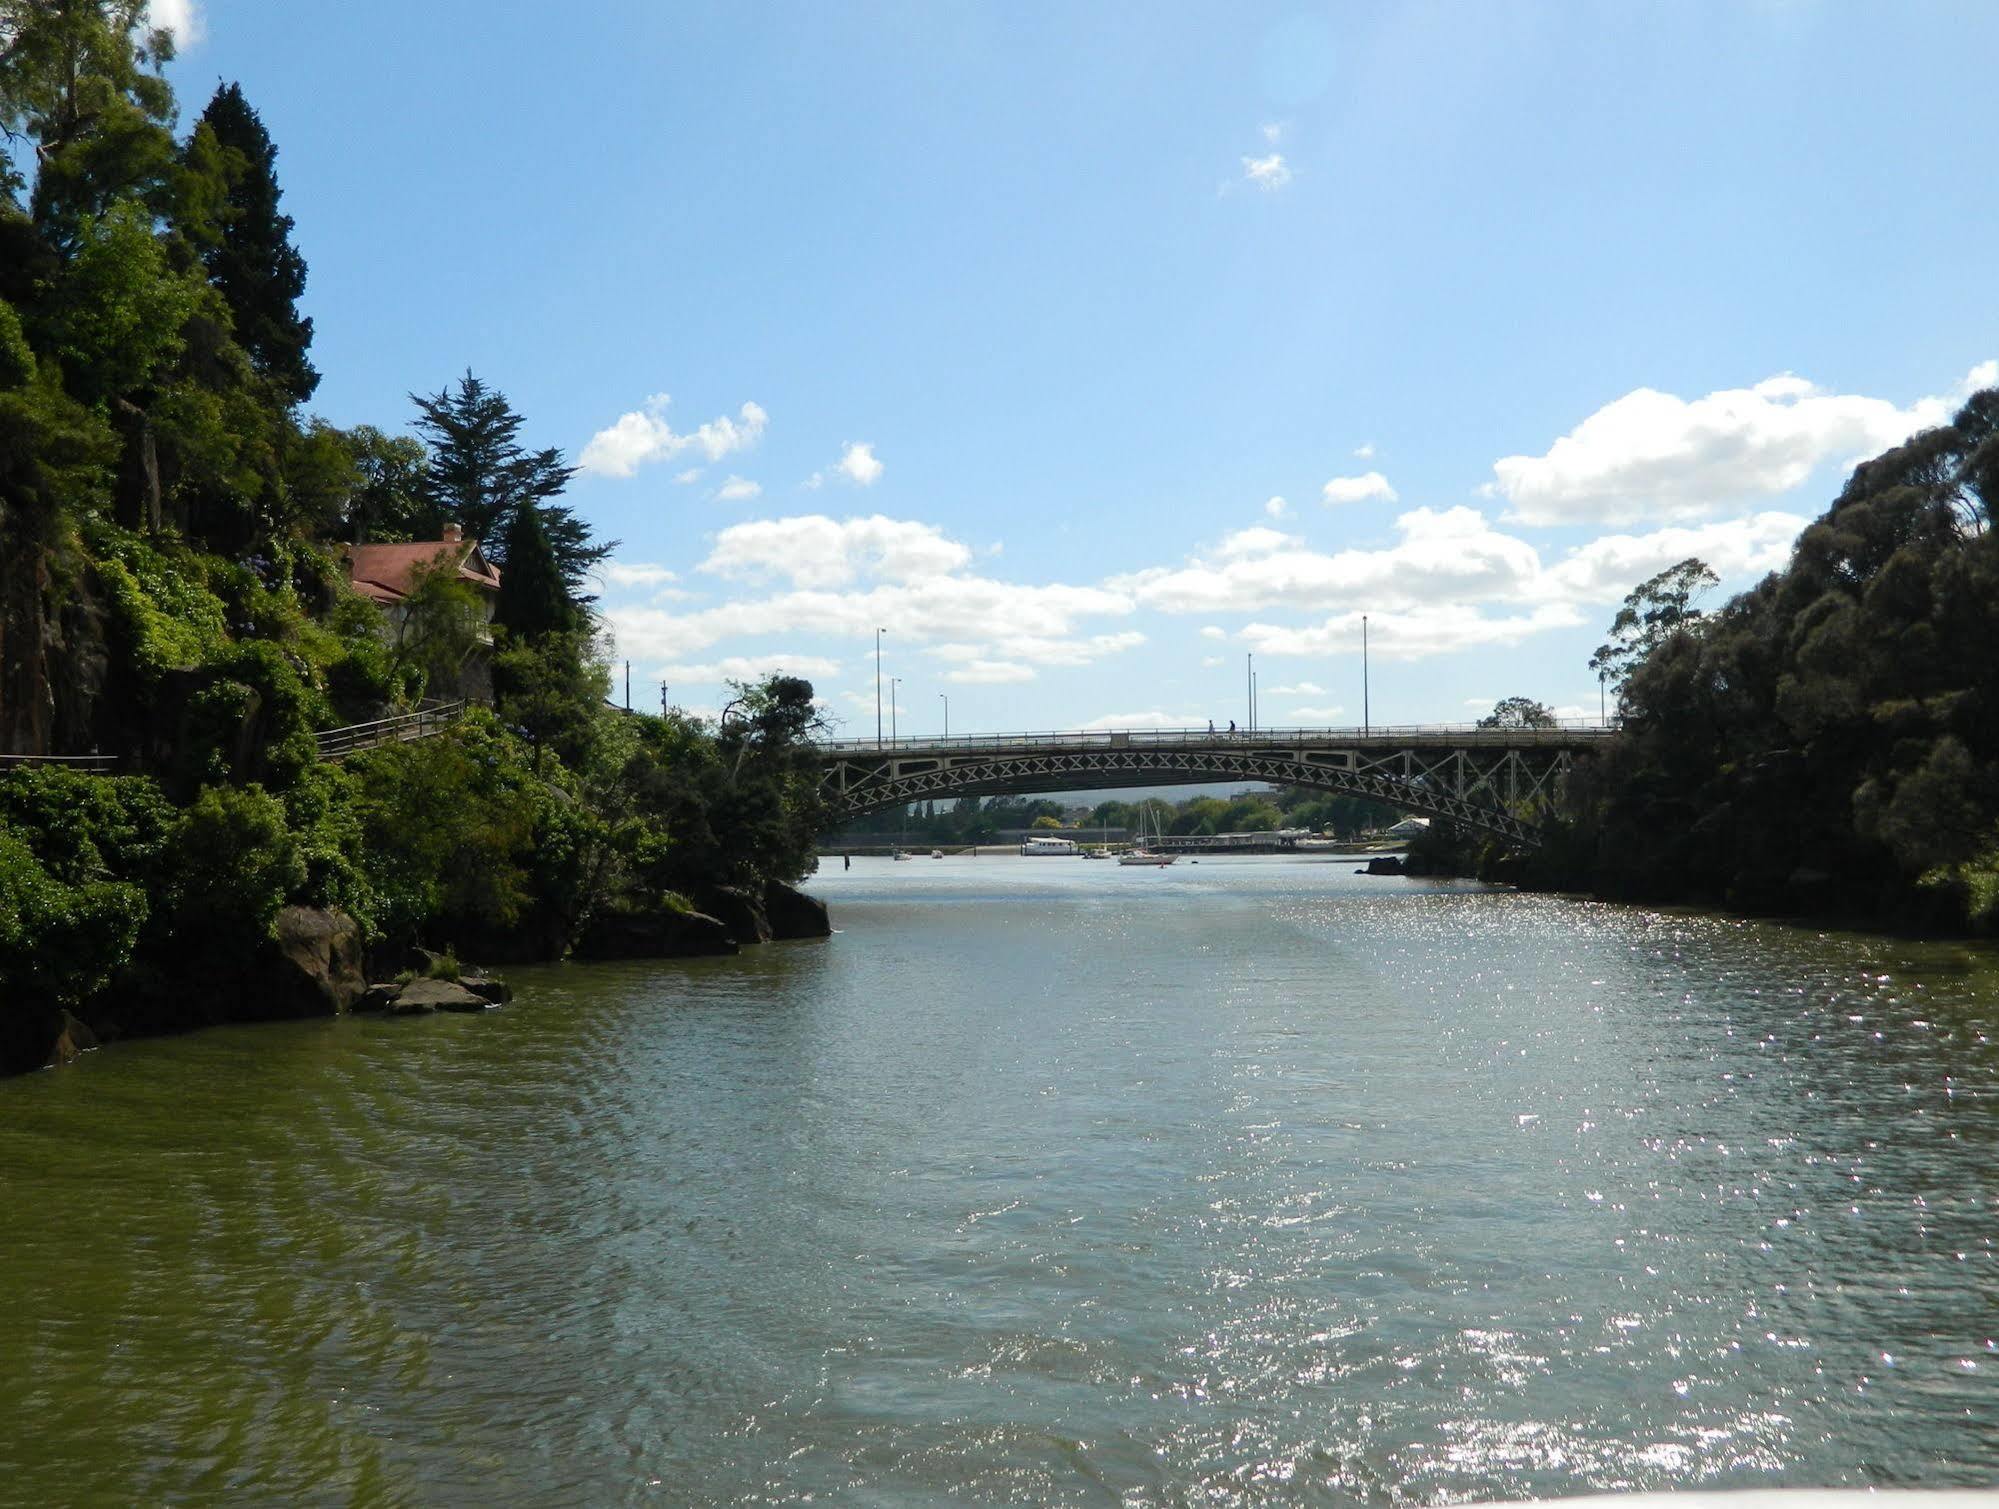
1231, 728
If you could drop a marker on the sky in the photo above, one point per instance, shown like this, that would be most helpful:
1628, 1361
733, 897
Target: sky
1088, 350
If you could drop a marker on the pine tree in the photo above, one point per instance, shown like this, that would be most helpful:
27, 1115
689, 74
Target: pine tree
252, 260
480, 477
534, 598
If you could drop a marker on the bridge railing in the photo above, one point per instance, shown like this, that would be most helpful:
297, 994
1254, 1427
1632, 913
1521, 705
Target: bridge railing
1565, 731
338, 743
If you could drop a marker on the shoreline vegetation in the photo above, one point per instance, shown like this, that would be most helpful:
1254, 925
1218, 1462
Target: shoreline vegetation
1823, 745
180, 588
180, 545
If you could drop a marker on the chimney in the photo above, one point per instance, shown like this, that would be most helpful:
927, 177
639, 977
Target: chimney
453, 535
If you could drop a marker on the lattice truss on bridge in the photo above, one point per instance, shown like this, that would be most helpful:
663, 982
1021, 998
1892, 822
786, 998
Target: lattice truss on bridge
1501, 790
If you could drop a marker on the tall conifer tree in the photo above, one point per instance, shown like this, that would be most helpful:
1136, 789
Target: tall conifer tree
253, 261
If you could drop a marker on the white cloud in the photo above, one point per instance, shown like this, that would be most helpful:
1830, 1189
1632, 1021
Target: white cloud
692, 474
1438, 629
989, 673
1611, 565
1256, 541
181, 17
1041, 649
1453, 555
1152, 718
858, 464
747, 668
637, 574
1367, 487
815, 551
738, 490
1209, 662
1273, 131
846, 578
1300, 689
1276, 508
1269, 173
1213, 631
644, 436
1325, 714
1364, 451
1651, 455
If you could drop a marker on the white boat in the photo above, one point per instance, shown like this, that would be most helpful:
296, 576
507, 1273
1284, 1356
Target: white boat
899, 855
936, 853
1033, 846
1140, 855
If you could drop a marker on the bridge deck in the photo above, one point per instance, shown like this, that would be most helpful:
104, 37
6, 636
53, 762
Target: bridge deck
1568, 735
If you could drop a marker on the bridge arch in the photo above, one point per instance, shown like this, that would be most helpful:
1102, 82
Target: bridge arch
1492, 780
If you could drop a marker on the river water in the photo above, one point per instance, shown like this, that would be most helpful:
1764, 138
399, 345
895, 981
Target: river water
1043, 1182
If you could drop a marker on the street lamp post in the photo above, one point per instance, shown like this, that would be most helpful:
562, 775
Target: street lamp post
1602, 707
893, 683
947, 713
1249, 682
1366, 718
878, 686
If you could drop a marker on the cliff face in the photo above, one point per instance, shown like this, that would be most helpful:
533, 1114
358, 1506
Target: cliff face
54, 653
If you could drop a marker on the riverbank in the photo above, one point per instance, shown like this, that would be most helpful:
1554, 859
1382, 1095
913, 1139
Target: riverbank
316, 963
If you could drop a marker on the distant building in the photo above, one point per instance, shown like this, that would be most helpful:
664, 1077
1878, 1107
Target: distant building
1409, 827
387, 574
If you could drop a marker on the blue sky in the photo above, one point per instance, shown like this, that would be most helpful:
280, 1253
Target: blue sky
1088, 349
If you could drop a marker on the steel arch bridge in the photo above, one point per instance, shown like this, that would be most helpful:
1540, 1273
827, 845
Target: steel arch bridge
1497, 780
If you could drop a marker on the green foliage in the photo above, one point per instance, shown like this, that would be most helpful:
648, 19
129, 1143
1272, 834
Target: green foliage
122, 306
1518, 712
164, 615
443, 621
59, 942
1828, 741
235, 863
251, 259
1653, 611
480, 475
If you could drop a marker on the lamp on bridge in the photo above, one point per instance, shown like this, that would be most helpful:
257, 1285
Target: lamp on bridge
947, 713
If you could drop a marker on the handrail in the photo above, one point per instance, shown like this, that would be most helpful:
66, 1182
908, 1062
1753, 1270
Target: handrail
337, 743
95, 764
1569, 731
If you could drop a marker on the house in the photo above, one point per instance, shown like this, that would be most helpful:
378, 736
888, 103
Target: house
386, 574
1409, 827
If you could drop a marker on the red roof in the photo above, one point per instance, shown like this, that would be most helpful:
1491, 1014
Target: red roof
385, 572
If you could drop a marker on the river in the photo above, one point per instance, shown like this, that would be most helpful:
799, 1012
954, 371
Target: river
1042, 1182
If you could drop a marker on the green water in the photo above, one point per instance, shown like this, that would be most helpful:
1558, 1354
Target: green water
1042, 1182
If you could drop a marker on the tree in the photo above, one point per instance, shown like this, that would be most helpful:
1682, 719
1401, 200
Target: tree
442, 623
387, 503
1653, 612
1517, 712
252, 260
534, 599
80, 81
479, 475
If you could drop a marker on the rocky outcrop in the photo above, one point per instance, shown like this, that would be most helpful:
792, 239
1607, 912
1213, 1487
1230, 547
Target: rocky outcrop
1383, 864
489, 988
437, 995
311, 967
740, 911
654, 935
793, 914
73, 1040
